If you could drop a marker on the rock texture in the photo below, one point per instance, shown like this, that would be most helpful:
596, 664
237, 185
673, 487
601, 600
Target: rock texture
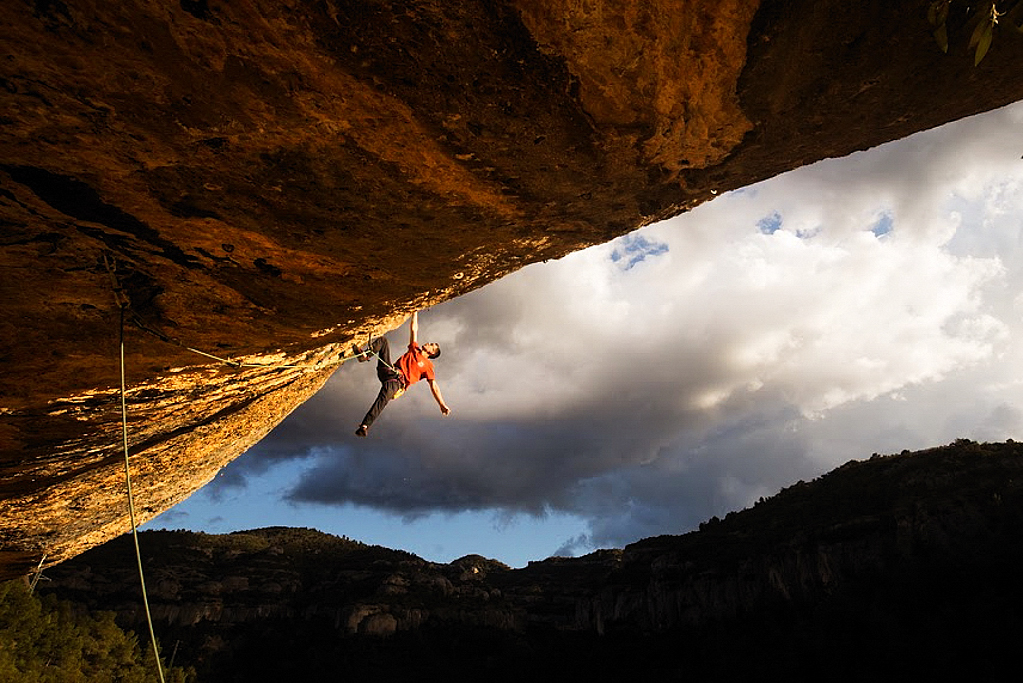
269, 180
896, 566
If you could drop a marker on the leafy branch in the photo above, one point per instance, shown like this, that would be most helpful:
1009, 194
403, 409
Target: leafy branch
983, 19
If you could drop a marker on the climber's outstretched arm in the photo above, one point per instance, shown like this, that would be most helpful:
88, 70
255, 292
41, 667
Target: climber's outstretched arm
414, 328
435, 389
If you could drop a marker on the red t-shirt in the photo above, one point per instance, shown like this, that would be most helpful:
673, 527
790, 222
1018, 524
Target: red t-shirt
415, 365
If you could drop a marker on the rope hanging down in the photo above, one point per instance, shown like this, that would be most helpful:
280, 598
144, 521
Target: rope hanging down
131, 508
124, 304
38, 574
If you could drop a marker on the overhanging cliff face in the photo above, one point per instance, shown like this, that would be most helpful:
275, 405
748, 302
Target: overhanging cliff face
270, 179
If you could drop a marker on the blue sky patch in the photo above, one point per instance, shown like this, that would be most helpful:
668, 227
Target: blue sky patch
633, 249
769, 225
883, 226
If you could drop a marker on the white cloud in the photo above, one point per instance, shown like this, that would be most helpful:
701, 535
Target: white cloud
821, 320
857, 305
815, 313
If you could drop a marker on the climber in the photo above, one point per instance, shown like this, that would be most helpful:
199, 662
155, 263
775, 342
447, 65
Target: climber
414, 365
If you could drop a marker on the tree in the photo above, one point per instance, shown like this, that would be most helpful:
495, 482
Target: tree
43, 640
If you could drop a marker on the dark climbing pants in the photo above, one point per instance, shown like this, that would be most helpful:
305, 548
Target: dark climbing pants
390, 380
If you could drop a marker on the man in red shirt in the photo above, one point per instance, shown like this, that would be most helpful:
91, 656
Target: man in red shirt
414, 365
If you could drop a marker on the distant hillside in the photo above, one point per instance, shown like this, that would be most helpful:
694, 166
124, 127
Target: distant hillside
898, 566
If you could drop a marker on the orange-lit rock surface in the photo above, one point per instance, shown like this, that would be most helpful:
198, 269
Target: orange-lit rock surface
268, 180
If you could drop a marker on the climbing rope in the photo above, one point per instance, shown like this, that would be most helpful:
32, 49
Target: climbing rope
369, 350
38, 575
131, 507
125, 303
234, 363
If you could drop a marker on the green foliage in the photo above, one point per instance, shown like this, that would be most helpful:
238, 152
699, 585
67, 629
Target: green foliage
937, 14
45, 641
983, 18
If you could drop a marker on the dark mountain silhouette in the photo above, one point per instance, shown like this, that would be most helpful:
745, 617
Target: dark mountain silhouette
901, 567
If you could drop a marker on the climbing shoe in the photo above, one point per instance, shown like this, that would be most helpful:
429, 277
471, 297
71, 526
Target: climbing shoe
363, 356
362, 430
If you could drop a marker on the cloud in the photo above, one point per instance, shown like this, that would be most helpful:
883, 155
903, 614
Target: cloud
170, 517
689, 369
572, 546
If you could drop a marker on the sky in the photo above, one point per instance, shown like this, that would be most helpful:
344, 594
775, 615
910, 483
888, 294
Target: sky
861, 305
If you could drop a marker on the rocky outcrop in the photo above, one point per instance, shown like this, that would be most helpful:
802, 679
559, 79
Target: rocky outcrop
72, 497
912, 555
267, 180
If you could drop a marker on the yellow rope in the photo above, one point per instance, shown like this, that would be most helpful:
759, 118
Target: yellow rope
131, 509
234, 363
39, 575
124, 302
